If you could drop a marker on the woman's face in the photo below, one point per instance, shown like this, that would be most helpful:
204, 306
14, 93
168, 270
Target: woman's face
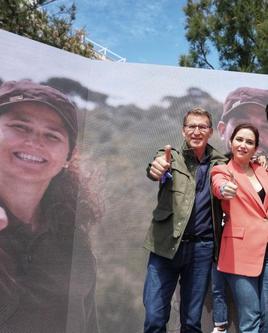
33, 143
243, 145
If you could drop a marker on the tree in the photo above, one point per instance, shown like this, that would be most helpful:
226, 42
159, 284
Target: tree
30, 19
236, 31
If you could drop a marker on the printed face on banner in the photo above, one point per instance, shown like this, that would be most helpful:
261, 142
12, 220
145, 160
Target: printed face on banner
33, 143
249, 113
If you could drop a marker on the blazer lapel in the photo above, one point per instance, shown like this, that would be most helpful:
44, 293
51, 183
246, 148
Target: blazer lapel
246, 186
262, 175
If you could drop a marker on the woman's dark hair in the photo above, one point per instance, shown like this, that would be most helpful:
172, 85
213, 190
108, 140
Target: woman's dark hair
249, 127
72, 201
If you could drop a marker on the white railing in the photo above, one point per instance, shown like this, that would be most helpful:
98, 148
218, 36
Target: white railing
103, 53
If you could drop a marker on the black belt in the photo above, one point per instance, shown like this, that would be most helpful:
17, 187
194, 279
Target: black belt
194, 238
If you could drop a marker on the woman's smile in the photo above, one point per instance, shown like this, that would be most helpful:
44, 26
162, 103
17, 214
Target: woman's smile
29, 158
34, 142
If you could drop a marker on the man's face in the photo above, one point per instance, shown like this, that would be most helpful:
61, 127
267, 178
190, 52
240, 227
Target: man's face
196, 132
249, 113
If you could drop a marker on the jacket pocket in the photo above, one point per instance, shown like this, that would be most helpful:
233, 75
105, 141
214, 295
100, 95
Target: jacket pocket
161, 214
234, 232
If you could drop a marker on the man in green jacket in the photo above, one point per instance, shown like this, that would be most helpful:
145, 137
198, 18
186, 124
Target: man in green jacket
183, 236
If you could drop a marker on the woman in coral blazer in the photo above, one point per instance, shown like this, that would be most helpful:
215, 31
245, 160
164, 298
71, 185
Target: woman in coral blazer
243, 190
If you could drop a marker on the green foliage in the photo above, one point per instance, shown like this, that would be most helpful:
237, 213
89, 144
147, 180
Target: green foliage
237, 30
28, 18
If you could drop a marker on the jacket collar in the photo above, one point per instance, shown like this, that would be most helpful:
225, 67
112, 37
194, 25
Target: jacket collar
211, 152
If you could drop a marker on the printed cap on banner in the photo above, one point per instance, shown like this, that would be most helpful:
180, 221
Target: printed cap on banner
242, 96
13, 92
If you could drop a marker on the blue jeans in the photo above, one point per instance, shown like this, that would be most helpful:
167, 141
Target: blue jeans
264, 295
192, 264
219, 301
251, 299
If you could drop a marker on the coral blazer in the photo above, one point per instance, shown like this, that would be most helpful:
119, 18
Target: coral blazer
245, 233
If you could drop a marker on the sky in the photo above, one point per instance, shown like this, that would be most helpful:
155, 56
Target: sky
142, 31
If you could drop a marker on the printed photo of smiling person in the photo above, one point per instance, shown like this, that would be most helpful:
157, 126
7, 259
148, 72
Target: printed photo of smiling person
245, 104
39, 188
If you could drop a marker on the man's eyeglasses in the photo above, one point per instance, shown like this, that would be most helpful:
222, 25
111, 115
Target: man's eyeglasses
201, 127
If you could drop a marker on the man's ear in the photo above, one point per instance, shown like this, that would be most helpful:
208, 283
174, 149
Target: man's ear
221, 129
183, 132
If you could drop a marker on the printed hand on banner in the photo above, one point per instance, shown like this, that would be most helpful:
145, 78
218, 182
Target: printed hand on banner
262, 160
161, 164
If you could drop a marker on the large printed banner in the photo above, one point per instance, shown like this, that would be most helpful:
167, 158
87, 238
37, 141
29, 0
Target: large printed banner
126, 112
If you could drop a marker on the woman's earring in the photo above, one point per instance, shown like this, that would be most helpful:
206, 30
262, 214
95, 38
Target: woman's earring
66, 165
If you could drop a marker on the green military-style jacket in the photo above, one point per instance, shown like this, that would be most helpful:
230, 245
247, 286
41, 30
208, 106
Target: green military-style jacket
175, 203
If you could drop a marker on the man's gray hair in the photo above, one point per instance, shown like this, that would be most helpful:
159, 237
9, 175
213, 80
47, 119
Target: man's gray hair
198, 111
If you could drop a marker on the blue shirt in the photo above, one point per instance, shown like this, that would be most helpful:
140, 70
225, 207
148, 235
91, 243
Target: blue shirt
200, 222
